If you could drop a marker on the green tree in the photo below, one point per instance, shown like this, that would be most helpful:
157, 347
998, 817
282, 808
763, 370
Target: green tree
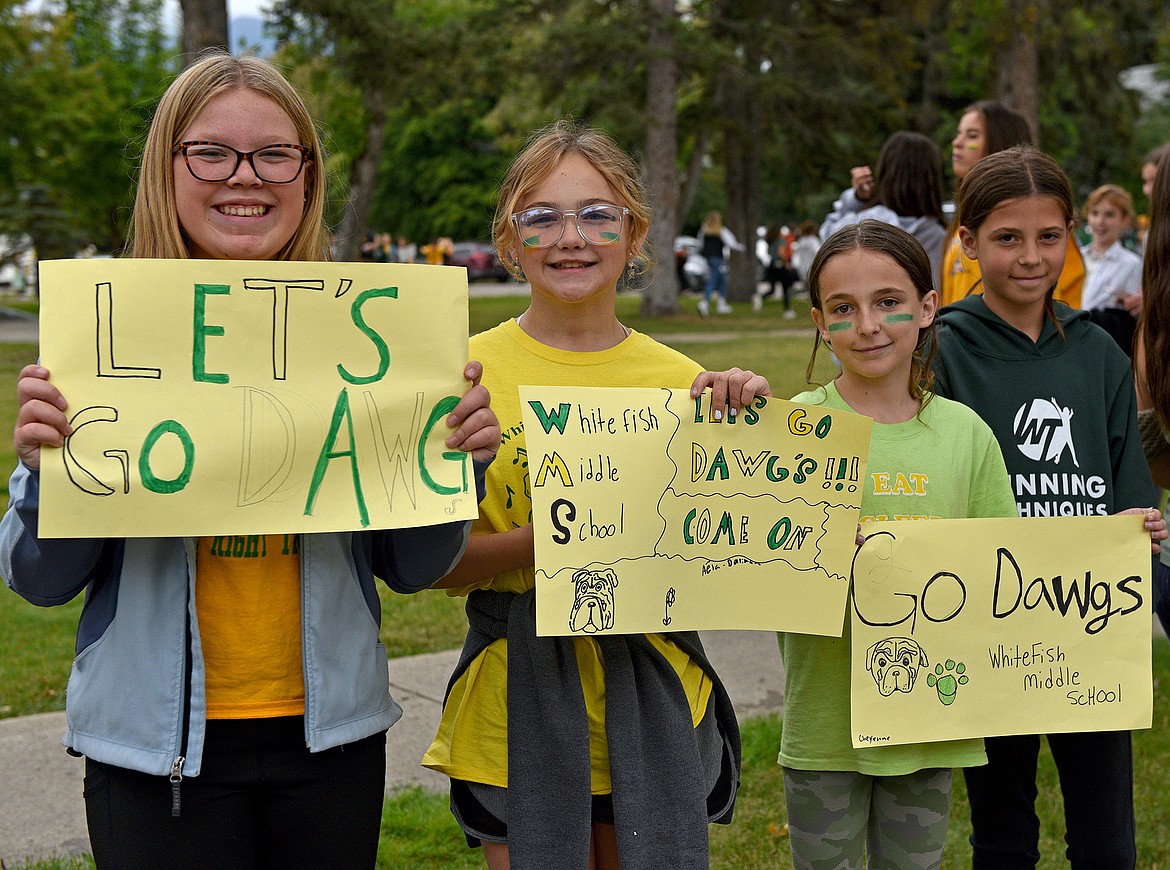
84, 81
407, 61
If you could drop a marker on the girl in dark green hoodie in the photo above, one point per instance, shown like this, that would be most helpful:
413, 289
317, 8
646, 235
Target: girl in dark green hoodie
1059, 395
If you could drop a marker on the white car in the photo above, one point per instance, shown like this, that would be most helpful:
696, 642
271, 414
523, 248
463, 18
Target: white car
690, 264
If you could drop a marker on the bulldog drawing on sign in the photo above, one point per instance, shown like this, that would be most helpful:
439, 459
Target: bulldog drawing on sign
894, 663
592, 609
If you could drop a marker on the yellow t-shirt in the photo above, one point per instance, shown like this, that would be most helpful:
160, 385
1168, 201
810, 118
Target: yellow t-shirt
472, 742
248, 600
960, 274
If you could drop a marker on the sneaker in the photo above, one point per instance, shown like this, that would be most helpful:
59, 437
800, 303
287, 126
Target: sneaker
704, 310
721, 307
757, 302
789, 314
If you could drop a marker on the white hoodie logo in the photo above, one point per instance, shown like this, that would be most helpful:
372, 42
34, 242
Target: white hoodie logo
1044, 431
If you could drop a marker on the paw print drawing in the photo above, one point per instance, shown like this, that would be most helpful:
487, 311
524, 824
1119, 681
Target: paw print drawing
946, 680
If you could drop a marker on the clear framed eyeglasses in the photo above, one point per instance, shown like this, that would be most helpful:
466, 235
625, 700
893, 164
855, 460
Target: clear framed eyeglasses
280, 163
543, 227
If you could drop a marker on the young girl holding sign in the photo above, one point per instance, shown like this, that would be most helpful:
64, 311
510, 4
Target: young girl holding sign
1059, 395
232, 702
873, 303
568, 750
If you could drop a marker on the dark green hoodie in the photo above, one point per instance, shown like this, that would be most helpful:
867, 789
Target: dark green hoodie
1063, 408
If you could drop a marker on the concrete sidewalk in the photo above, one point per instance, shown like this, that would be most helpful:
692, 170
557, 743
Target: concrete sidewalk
41, 808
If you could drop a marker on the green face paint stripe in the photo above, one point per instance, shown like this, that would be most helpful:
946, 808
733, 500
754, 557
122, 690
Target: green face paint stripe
531, 240
839, 327
611, 237
898, 318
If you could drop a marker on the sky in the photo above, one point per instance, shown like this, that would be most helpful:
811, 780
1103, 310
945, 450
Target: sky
247, 7
235, 8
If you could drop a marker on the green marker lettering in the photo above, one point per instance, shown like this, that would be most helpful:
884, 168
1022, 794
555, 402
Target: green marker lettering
152, 481
329, 452
441, 410
202, 330
355, 313
548, 419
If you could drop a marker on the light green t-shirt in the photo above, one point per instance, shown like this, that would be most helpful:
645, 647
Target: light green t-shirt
944, 463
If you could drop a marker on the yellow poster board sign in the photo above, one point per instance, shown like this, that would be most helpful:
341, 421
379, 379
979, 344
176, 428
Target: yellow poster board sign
217, 396
650, 515
979, 628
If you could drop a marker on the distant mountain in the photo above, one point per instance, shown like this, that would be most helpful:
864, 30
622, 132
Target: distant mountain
247, 32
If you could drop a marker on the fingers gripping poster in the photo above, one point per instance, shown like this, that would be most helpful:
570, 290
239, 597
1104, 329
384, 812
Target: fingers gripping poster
253, 397
978, 628
650, 515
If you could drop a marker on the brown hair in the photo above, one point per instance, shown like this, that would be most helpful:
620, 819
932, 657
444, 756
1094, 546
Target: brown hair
1003, 127
909, 176
907, 252
155, 229
1015, 173
1155, 319
536, 161
1117, 196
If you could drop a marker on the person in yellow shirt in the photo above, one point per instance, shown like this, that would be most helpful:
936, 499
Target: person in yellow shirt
986, 127
550, 741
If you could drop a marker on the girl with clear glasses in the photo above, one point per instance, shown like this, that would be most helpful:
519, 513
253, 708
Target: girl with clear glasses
577, 751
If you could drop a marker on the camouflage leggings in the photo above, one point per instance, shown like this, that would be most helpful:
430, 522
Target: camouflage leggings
834, 817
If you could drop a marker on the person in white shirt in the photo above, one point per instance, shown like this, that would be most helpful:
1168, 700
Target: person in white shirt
1113, 274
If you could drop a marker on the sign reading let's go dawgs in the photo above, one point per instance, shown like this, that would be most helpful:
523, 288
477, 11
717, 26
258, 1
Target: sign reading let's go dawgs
252, 397
650, 514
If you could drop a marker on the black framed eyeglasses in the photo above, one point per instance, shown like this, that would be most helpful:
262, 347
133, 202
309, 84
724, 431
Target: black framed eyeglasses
543, 227
279, 163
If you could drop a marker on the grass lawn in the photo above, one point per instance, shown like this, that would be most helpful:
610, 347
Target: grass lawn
417, 829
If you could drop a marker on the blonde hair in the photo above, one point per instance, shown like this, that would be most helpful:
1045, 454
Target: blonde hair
712, 224
155, 229
1118, 197
546, 148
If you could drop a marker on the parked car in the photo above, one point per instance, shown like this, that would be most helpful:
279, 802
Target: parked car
690, 264
480, 260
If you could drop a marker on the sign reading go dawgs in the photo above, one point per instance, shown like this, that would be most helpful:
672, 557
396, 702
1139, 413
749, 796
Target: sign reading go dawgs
979, 628
650, 515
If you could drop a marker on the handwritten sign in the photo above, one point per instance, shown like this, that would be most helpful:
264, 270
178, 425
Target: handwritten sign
977, 628
650, 515
213, 396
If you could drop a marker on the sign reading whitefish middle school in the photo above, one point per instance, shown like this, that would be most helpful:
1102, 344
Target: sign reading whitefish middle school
651, 515
213, 396
978, 628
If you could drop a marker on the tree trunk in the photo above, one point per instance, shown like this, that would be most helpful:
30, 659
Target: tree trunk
929, 114
362, 177
743, 135
1020, 70
205, 25
661, 294
690, 185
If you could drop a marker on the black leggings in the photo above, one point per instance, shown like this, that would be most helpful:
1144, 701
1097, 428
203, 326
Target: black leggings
262, 800
1096, 782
